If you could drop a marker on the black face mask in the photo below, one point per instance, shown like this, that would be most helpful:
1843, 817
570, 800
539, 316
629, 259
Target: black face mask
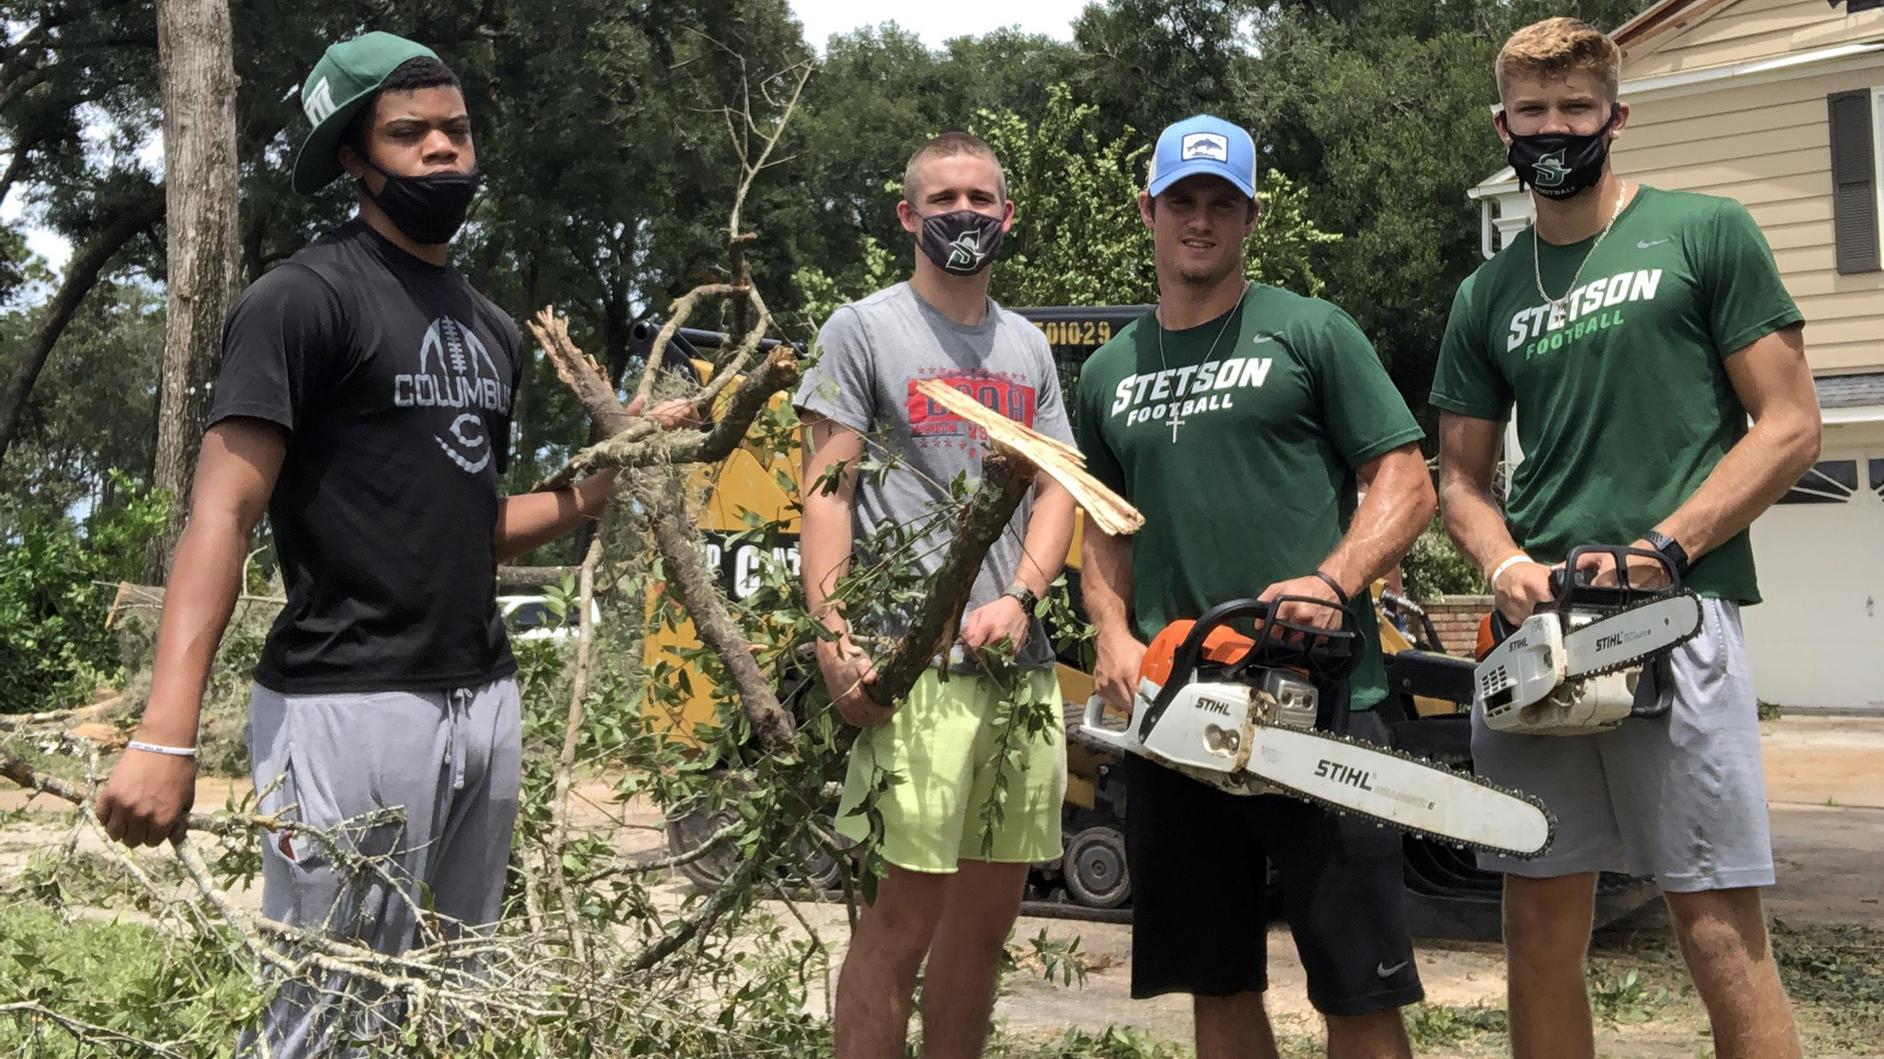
428, 209
1559, 165
961, 243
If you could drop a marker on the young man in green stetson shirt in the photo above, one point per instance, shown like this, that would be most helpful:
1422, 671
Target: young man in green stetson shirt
364, 403
1240, 419
1634, 332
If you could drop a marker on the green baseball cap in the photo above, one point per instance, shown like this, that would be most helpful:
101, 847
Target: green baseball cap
345, 78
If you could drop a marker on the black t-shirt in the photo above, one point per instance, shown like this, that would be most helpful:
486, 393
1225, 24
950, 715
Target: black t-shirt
393, 379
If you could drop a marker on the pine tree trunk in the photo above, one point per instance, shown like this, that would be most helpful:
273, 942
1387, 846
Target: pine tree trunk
197, 68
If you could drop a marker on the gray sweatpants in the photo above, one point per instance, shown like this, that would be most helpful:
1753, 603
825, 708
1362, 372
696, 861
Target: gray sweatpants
450, 762
1680, 797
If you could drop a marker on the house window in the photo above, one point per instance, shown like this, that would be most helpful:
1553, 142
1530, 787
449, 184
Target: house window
1856, 205
1828, 482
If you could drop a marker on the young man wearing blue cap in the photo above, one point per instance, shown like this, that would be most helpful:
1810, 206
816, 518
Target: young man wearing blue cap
364, 403
1241, 418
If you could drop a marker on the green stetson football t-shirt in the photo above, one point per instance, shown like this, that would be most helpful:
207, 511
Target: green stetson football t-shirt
1623, 402
1238, 440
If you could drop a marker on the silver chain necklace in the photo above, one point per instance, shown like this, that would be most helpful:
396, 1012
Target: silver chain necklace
1178, 420
1537, 271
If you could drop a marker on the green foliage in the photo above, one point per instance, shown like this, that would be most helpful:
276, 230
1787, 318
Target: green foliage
1435, 567
89, 431
121, 977
52, 601
1626, 999
1113, 1042
1438, 1025
1839, 970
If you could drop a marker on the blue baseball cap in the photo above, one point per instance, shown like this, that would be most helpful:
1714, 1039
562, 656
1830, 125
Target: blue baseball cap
1203, 144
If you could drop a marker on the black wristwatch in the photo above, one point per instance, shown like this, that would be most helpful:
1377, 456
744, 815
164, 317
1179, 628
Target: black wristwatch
1024, 596
1670, 548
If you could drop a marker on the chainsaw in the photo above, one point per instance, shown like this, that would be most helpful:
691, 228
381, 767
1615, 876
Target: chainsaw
1576, 666
1250, 716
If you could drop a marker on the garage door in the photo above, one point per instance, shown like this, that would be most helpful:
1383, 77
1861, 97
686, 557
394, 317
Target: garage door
1818, 640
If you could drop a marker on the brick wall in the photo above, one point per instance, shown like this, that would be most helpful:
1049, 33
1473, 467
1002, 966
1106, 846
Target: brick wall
1456, 618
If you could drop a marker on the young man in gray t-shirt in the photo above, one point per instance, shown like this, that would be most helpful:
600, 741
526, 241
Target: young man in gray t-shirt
954, 882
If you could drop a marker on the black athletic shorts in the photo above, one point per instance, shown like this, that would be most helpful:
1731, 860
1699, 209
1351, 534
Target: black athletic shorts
1196, 860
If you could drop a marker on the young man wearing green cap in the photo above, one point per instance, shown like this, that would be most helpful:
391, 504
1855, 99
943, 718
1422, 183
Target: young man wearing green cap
364, 403
1240, 419
1656, 367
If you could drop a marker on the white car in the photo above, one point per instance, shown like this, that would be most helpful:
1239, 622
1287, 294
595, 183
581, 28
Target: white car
530, 618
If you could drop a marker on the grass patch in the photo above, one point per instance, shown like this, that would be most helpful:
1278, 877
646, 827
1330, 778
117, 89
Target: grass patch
1439, 1025
125, 978
1625, 999
1113, 1042
1838, 971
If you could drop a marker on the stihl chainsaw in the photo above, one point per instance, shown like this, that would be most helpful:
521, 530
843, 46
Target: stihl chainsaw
1240, 714
1574, 667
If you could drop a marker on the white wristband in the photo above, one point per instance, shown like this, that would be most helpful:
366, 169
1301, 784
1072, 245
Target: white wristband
157, 748
1506, 565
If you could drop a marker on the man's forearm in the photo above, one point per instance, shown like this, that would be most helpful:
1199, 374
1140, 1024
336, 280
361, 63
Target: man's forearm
530, 520
1398, 505
824, 554
1753, 475
1049, 533
204, 583
1474, 522
1105, 577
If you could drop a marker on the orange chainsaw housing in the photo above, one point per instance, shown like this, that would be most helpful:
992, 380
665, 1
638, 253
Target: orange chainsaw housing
1224, 645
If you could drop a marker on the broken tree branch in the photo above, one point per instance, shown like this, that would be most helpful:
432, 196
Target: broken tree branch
1005, 478
712, 616
566, 759
645, 443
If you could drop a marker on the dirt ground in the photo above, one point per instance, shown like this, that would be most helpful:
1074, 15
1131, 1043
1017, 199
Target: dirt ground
1827, 796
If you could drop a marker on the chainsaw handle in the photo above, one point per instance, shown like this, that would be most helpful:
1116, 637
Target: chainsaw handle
1092, 729
1184, 659
1269, 638
1568, 585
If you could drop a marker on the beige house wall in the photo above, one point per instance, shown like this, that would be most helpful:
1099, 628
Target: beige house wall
1746, 30
1766, 144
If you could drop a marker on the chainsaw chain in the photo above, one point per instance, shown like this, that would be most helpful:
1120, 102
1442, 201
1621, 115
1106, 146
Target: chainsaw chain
1617, 667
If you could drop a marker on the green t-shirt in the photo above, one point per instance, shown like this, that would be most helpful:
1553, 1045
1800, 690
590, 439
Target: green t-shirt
1623, 402
1256, 483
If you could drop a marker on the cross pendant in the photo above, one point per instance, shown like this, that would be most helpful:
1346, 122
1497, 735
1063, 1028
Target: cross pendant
1176, 422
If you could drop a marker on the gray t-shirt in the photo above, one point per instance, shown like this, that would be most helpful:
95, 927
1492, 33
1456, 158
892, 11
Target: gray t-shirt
872, 353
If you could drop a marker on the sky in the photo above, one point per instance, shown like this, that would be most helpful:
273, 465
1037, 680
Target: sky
937, 22
933, 22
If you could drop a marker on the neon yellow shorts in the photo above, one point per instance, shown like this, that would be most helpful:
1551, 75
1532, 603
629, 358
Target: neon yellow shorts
946, 746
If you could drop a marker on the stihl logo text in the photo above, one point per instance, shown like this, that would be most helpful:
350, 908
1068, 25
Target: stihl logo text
1345, 774
1214, 706
1604, 643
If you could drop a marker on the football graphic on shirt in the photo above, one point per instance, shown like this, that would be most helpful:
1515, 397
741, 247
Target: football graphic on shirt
456, 372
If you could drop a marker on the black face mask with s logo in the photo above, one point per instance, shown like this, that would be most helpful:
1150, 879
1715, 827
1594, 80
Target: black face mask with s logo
1559, 165
428, 209
961, 242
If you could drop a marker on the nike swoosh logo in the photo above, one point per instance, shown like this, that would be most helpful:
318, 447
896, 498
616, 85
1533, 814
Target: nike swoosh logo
1645, 244
1385, 971
1262, 338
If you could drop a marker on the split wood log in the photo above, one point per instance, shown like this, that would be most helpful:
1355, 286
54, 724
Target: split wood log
1063, 462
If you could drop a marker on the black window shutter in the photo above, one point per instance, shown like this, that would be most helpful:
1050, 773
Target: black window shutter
1854, 182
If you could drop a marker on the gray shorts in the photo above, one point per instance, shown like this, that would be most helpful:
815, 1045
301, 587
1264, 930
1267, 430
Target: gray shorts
1680, 797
